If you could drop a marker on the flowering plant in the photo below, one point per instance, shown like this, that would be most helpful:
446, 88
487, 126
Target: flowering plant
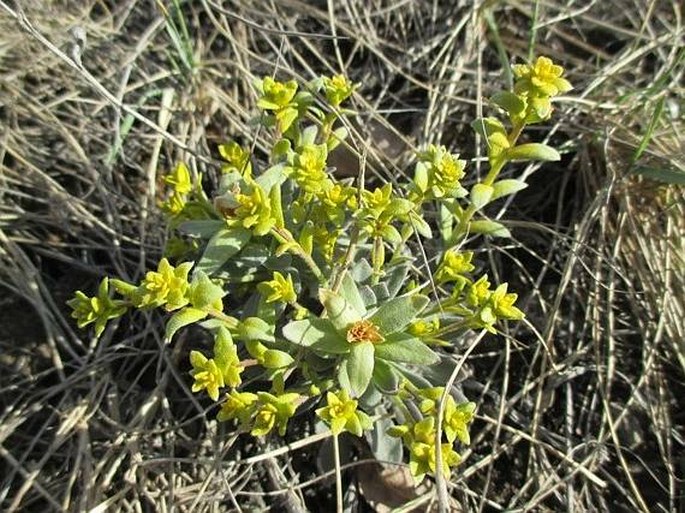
321, 303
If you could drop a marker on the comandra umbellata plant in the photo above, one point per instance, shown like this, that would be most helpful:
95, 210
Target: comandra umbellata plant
324, 307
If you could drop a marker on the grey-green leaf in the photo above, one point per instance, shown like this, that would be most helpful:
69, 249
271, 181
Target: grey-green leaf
350, 292
222, 246
340, 311
203, 228
312, 331
509, 102
385, 377
395, 314
406, 349
359, 366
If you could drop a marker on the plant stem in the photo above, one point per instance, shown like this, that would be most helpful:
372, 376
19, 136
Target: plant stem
285, 237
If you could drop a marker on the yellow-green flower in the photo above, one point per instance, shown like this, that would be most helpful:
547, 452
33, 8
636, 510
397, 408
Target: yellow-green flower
503, 304
98, 309
455, 264
253, 211
278, 97
479, 292
206, 374
438, 174
309, 168
456, 419
341, 414
378, 201
536, 84
325, 240
273, 412
279, 288
167, 286
174, 204
420, 438
179, 179
238, 405
543, 78
335, 200
425, 330
338, 89
237, 157
423, 459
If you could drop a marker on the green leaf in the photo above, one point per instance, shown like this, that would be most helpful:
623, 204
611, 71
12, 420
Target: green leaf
340, 311
223, 344
421, 176
396, 278
275, 359
506, 187
390, 233
204, 228
532, 151
254, 328
314, 330
369, 296
396, 314
406, 349
508, 101
658, 109
180, 319
420, 225
661, 174
337, 136
359, 364
204, 292
385, 377
487, 227
481, 194
222, 246
488, 126
350, 292
274, 176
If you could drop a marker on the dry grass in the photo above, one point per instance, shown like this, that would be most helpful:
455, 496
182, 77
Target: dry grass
579, 410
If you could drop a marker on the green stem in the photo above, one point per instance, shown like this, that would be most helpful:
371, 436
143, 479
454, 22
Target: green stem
495, 169
377, 258
285, 237
231, 322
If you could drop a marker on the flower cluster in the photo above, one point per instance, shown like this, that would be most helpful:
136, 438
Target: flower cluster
317, 313
260, 413
181, 186
437, 175
168, 287
536, 84
341, 414
420, 436
98, 310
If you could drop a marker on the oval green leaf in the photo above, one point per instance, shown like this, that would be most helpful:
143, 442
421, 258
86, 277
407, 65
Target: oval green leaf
180, 319
395, 314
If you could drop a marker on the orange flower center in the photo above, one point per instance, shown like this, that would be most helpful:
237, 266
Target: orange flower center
364, 331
